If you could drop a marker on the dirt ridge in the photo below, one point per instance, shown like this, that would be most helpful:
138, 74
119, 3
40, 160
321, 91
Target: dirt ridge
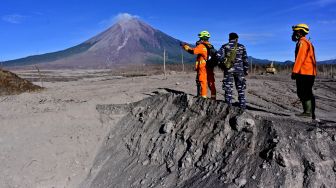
176, 140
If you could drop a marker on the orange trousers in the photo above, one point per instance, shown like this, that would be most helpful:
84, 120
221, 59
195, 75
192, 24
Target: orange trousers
211, 82
205, 78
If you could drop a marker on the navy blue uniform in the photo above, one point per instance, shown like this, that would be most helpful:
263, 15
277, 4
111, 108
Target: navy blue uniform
236, 73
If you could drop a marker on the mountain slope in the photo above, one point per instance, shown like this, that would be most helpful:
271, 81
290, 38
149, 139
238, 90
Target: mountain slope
129, 41
49, 57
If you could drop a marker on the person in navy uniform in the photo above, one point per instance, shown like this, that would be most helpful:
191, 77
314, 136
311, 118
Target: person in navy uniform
237, 72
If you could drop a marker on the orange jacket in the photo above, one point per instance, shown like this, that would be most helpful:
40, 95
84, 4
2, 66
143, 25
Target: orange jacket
305, 62
201, 51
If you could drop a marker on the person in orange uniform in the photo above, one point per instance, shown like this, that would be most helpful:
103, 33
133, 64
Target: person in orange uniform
304, 70
205, 76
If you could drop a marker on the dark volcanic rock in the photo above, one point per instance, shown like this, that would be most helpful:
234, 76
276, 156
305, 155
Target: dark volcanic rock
176, 140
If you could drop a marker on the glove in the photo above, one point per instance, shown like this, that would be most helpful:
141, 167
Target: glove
293, 76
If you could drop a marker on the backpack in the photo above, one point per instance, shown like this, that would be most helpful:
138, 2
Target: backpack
229, 60
212, 59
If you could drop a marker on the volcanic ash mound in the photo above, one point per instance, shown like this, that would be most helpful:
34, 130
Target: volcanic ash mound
175, 140
11, 84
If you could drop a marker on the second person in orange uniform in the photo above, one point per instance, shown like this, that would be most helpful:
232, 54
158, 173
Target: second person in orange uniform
205, 76
304, 70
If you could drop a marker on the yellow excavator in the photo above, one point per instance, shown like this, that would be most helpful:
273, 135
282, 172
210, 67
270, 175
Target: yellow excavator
270, 69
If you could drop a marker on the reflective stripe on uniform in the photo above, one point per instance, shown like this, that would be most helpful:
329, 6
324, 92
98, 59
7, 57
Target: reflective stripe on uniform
202, 62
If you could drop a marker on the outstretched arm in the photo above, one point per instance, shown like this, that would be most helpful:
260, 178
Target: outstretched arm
187, 48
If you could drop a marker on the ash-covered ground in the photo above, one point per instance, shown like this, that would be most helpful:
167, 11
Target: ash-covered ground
91, 128
177, 140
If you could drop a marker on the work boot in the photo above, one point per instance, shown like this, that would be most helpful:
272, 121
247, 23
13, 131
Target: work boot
307, 109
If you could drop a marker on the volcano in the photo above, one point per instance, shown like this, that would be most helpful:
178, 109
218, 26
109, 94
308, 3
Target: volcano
129, 41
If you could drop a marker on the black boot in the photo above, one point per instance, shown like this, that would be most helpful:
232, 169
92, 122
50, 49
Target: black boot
307, 109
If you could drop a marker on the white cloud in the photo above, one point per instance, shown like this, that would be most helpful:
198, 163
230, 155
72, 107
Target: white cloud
14, 18
327, 22
125, 16
324, 2
117, 18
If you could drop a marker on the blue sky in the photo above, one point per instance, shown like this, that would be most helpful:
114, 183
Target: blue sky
29, 27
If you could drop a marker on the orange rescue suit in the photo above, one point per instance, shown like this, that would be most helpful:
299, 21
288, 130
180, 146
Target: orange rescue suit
205, 76
305, 62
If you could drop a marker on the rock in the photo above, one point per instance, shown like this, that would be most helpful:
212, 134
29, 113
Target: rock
275, 140
334, 137
250, 122
141, 119
254, 177
177, 83
319, 135
242, 123
146, 162
323, 156
240, 182
167, 127
280, 160
263, 165
309, 165
188, 159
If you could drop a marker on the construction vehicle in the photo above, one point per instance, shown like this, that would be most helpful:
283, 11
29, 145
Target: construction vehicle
270, 69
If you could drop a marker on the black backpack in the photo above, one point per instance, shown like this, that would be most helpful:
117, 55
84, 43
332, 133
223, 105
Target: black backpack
212, 59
